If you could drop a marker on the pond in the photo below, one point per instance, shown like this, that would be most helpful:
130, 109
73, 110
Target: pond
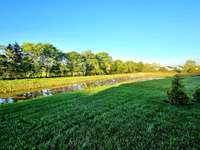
69, 88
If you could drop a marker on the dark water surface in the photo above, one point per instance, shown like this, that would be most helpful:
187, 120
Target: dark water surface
69, 88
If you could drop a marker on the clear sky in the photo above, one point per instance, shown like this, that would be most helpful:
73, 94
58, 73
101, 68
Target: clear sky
164, 31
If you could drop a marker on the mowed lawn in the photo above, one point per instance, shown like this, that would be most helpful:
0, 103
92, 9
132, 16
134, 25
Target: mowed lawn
126, 116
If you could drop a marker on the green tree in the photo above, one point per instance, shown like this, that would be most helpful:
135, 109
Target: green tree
162, 69
176, 93
14, 63
92, 63
49, 54
131, 66
150, 67
43, 55
27, 65
105, 62
2, 65
190, 66
62, 62
119, 66
35, 52
55, 70
140, 67
75, 63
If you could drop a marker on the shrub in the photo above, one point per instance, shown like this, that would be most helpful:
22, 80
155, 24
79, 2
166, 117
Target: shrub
196, 95
176, 93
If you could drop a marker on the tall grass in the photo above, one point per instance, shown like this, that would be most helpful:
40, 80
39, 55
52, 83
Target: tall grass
23, 85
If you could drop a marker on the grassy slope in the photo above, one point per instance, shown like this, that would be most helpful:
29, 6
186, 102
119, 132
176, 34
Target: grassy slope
26, 85
130, 116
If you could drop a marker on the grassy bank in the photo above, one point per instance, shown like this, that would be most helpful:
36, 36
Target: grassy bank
26, 85
127, 116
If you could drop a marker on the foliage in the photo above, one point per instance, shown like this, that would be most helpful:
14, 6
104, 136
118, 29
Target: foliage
119, 66
15, 62
105, 62
196, 95
128, 116
75, 63
190, 66
92, 63
176, 93
45, 60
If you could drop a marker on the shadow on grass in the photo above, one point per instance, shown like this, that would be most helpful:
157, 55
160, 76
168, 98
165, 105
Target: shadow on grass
131, 114
148, 92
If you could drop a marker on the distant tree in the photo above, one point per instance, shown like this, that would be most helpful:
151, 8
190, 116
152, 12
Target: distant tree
45, 60
2, 65
190, 66
62, 62
92, 63
105, 62
49, 54
162, 69
2, 59
27, 65
14, 63
119, 66
55, 70
43, 55
176, 93
131, 66
75, 63
35, 52
151, 67
140, 67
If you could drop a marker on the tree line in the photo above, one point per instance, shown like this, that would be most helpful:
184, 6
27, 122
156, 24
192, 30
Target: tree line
31, 60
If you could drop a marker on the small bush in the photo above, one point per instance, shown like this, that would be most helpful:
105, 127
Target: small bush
196, 95
176, 93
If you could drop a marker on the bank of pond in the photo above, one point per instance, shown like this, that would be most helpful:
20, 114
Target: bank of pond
74, 87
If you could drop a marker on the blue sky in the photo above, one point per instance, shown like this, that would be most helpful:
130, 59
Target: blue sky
163, 31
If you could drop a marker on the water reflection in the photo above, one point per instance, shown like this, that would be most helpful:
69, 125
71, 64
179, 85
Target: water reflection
74, 87
43, 92
6, 100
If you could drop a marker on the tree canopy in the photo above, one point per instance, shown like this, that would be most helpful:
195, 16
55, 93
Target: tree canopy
31, 60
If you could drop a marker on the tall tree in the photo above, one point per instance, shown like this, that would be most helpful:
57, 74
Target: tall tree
92, 63
151, 67
190, 66
62, 63
48, 57
75, 63
105, 62
35, 52
45, 60
131, 66
43, 55
119, 66
14, 61
2, 65
140, 67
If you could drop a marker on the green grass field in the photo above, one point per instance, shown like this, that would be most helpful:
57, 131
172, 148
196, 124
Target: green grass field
126, 116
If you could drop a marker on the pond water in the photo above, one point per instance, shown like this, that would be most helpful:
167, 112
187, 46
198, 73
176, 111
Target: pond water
69, 88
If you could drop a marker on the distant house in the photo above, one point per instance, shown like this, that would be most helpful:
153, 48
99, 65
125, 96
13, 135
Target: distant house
172, 68
179, 68
169, 68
